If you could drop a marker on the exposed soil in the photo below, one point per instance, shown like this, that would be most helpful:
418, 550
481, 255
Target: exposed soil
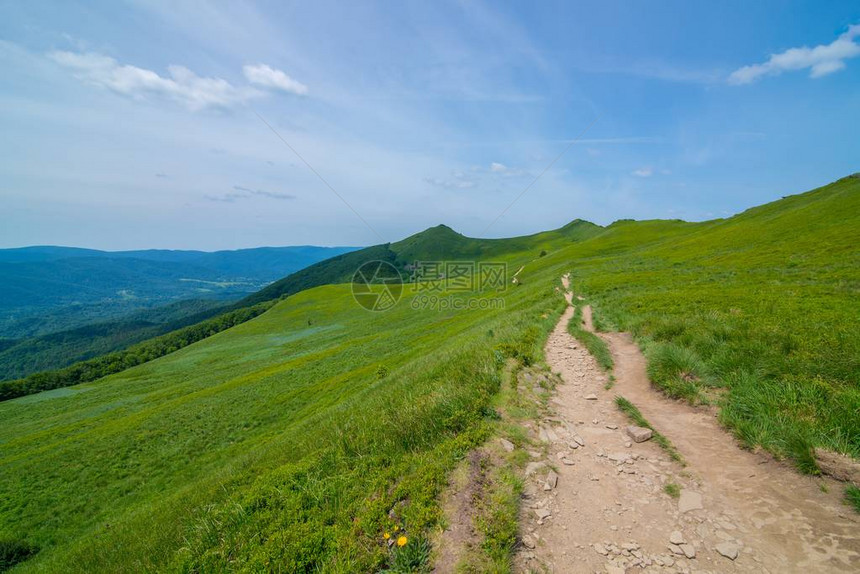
609, 511
458, 505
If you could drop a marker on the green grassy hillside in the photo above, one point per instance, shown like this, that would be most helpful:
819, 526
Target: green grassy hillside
297, 432
56, 350
758, 312
293, 441
61, 305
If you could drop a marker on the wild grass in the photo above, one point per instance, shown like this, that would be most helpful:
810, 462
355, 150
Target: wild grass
676, 370
852, 497
635, 415
273, 445
756, 313
413, 556
497, 520
14, 551
280, 443
672, 489
595, 345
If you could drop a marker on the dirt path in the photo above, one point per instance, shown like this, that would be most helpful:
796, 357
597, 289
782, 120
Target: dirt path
608, 511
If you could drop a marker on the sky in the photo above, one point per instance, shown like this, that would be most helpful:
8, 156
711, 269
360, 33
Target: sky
222, 125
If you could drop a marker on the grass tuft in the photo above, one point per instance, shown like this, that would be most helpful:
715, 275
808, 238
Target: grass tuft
14, 551
595, 345
636, 416
672, 490
852, 497
676, 370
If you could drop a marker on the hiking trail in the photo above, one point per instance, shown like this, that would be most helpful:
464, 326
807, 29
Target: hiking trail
598, 503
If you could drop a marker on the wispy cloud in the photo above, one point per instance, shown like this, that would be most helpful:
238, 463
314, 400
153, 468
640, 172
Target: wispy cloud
268, 77
455, 183
182, 85
821, 60
502, 169
643, 172
240, 192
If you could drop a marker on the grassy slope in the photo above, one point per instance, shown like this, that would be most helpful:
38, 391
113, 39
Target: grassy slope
62, 348
282, 444
276, 430
764, 305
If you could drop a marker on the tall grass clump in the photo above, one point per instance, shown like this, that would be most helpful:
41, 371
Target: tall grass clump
636, 416
14, 551
676, 370
595, 345
852, 497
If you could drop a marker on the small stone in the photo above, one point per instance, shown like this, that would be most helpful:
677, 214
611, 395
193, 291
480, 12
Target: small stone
689, 550
618, 457
591, 397
675, 549
542, 513
578, 440
612, 427
689, 500
507, 445
528, 541
601, 549
551, 479
676, 538
727, 549
639, 434
533, 467
567, 461
628, 444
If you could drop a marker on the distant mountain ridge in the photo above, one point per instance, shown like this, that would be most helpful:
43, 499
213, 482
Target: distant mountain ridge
43, 282
60, 305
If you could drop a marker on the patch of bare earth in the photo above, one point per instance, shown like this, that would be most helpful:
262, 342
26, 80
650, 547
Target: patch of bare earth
459, 505
597, 502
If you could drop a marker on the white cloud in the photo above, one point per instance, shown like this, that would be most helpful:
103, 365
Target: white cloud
240, 192
267, 77
643, 172
182, 85
820, 60
451, 183
502, 169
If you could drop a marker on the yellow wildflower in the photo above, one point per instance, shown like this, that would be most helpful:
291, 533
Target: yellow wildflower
386, 536
396, 528
402, 541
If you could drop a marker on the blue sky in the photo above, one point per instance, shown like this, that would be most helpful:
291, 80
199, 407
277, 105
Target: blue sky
144, 124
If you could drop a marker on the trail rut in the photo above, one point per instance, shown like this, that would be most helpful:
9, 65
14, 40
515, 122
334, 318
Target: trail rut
608, 512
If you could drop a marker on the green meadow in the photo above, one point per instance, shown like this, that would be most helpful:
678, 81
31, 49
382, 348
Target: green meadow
293, 441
